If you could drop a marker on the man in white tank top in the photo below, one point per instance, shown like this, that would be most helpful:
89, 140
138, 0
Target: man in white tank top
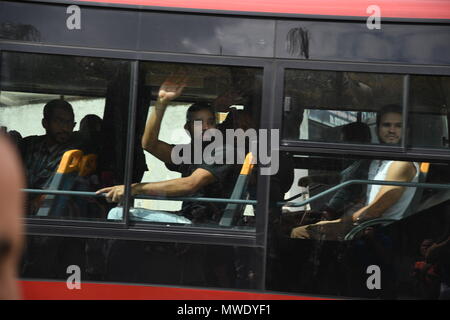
382, 201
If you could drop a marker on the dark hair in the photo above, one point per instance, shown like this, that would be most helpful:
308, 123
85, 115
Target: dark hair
198, 106
51, 106
357, 132
238, 119
89, 122
389, 108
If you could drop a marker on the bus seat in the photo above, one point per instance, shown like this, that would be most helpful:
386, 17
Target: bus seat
64, 179
88, 165
412, 208
234, 210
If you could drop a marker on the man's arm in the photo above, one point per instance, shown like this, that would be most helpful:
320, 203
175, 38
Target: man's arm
169, 90
399, 171
170, 188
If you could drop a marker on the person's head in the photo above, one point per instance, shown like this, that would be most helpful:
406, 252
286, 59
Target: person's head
58, 120
356, 132
91, 123
200, 112
389, 124
238, 119
425, 245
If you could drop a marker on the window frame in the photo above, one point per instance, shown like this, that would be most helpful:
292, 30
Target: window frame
126, 229
271, 118
325, 148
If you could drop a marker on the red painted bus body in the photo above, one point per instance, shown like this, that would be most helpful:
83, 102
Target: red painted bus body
409, 9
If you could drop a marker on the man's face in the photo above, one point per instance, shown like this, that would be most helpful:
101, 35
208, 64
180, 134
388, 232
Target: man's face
208, 121
390, 129
60, 126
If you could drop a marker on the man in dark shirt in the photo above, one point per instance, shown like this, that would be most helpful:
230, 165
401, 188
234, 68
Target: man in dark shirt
224, 179
41, 154
198, 178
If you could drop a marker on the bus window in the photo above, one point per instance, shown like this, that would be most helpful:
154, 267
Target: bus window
67, 116
311, 250
429, 115
319, 106
185, 100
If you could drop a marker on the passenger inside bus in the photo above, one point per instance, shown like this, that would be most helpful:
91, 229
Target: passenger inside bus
349, 197
425, 276
90, 129
280, 182
386, 201
14, 136
198, 179
41, 154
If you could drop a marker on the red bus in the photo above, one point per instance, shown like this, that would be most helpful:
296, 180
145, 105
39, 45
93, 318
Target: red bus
305, 69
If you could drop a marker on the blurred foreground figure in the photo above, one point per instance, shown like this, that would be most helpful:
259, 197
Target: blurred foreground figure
11, 210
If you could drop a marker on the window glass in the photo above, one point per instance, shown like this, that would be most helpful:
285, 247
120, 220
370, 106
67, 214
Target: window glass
51, 106
420, 44
429, 111
180, 101
330, 106
59, 24
204, 34
142, 262
309, 249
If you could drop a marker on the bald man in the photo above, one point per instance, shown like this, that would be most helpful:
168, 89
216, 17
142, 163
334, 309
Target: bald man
11, 210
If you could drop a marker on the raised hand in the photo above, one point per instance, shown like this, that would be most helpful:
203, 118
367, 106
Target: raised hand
172, 88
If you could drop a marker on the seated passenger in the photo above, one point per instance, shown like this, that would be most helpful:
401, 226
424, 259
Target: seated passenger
238, 119
90, 128
280, 182
387, 201
425, 276
14, 136
199, 178
352, 195
42, 154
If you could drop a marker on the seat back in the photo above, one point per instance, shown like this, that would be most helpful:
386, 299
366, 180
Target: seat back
233, 210
64, 179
